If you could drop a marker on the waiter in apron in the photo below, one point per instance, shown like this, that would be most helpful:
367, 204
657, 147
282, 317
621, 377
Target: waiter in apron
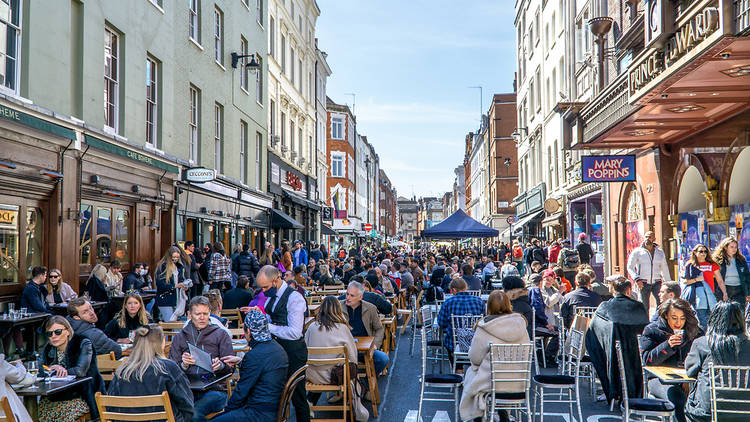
286, 307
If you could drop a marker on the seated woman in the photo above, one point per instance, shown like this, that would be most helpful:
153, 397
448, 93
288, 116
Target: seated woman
68, 354
725, 343
666, 342
500, 326
148, 372
325, 278
13, 373
263, 375
58, 291
95, 284
330, 329
132, 315
300, 274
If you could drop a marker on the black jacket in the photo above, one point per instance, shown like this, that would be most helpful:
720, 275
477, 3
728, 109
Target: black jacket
585, 253
655, 348
79, 360
34, 298
114, 331
154, 382
166, 293
245, 264
537, 254
133, 282
100, 342
744, 272
316, 254
521, 304
237, 298
578, 297
263, 374
96, 289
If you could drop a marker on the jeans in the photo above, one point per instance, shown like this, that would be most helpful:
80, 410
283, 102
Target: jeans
673, 393
650, 289
208, 402
380, 359
702, 315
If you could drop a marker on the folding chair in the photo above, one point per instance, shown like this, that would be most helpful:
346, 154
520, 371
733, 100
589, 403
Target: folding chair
463, 333
586, 311
107, 365
568, 381
434, 342
334, 356
645, 408
232, 316
537, 341
510, 365
8, 415
437, 387
134, 403
477, 293
729, 385
286, 395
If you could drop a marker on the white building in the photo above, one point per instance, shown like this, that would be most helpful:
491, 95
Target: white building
478, 179
459, 189
322, 72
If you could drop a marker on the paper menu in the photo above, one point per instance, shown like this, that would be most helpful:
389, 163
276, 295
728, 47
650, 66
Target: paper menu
202, 359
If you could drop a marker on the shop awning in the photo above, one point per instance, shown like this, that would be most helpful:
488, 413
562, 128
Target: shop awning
518, 226
553, 220
280, 220
326, 230
299, 200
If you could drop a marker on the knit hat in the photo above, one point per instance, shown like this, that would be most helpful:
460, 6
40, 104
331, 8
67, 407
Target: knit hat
512, 282
257, 323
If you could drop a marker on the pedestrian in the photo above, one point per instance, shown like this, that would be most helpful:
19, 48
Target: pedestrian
734, 270
170, 283
568, 260
647, 266
245, 264
286, 257
702, 281
584, 249
300, 254
220, 275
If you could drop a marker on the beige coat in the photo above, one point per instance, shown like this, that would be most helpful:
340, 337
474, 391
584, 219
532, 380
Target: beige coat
13, 374
317, 336
66, 293
504, 329
370, 319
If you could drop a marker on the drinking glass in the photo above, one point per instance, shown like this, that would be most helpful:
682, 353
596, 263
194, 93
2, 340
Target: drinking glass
24, 312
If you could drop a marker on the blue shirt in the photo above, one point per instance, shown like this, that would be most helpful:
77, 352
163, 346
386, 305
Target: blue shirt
460, 304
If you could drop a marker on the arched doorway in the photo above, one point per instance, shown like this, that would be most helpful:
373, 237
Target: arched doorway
739, 201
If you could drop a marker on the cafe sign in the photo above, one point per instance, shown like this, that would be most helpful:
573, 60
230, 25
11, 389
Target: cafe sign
200, 175
693, 34
8, 217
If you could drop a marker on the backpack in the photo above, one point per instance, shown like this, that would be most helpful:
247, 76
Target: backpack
432, 293
517, 252
570, 258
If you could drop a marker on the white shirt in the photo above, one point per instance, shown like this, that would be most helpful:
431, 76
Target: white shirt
295, 308
642, 265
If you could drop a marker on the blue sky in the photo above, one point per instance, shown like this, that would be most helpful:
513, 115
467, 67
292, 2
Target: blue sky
410, 63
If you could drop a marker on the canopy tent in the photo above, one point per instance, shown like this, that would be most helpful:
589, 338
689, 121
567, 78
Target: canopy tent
459, 226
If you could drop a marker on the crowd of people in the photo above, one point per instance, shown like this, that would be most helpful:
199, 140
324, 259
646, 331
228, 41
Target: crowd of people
697, 321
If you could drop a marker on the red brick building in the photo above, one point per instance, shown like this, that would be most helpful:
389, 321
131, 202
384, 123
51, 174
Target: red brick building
340, 189
467, 170
503, 159
387, 198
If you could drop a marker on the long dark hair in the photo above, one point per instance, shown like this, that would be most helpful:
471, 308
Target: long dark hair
726, 332
330, 314
691, 322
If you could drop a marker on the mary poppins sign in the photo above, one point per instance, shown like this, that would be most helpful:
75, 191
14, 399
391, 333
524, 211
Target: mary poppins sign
608, 168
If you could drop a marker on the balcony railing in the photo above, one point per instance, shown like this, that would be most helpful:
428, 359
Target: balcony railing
608, 108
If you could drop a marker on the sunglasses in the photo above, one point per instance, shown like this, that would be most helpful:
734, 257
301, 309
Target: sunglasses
54, 276
57, 332
701, 251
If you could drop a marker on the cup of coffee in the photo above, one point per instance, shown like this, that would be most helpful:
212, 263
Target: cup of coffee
680, 333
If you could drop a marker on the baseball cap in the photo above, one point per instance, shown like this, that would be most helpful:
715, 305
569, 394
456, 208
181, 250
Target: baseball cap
549, 273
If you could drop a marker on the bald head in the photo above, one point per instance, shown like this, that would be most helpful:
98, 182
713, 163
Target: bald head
268, 276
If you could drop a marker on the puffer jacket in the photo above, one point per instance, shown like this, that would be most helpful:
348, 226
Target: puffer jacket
519, 300
246, 264
655, 347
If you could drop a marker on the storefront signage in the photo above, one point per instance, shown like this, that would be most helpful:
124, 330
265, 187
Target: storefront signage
129, 154
608, 168
293, 180
645, 71
200, 175
8, 113
8, 217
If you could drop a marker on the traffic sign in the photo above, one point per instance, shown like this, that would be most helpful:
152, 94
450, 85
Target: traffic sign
511, 219
368, 227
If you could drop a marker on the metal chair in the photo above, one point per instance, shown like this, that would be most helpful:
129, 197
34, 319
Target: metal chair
434, 342
477, 293
645, 408
729, 384
510, 364
586, 311
567, 381
463, 333
537, 340
437, 387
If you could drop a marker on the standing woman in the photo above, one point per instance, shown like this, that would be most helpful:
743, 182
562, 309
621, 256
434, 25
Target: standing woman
59, 291
220, 274
169, 278
286, 256
69, 354
734, 270
267, 257
701, 277
132, 315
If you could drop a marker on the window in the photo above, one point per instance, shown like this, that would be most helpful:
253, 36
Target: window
300, 139
350, 169
337, 165
258, 152
219, 36
283, 54
195, 21
272, 111
259, 81
299, 74
537, 27
547, 42
243, 152
531, 97
553, 22
291, 135
259, 11
105, 235
244, 71
538, 99
10, 36
554, 88
272, 37
111, 78
193, 125
218, 136
152, 105
283, 130
549, 94
291, 63
292, 9
337, 128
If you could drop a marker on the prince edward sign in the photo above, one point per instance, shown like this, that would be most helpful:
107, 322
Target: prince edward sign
608, 168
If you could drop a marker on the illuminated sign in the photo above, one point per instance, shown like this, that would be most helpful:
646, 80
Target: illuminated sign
293, 180
608, 168
8, 217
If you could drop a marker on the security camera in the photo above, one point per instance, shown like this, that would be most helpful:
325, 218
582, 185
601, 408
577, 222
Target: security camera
664, 95
726, 54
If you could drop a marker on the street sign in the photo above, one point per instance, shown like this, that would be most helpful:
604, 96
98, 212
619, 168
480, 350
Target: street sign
511, 219
327, 214
368, 227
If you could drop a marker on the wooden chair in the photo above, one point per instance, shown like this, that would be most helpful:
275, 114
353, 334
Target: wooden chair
232, 315
134, 403
341, 359
107, 365
237, 332
8, 412
171, 328
286, 395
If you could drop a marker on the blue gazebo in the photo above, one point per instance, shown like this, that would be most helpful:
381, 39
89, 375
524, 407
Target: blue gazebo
459, 226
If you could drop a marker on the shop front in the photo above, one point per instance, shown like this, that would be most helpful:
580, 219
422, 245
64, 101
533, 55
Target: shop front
294, 195
529, 213
585, 211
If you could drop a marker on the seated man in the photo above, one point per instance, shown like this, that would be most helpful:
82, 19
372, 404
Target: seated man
381, 304
472, 282
134, 280
82, 318
461, 303
365, 322
213, 340
239, 296
263, 374
35, 294
668, 290
581, 296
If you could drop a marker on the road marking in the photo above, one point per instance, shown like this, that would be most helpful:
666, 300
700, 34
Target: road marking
440, 416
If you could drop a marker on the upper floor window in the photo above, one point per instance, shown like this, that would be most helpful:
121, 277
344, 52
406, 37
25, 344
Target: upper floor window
10, 27
337, 165
259, 81
111, 78
219, 36
259, 11
283, 53
193, 123
337, 128
218, 137
195, 21
152, 101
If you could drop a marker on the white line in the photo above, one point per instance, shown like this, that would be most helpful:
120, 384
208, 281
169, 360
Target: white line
391, 370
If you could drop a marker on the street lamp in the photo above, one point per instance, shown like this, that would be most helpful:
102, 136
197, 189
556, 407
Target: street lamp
253, 65
517, 133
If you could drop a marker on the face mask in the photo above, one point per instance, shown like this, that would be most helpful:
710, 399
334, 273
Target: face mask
175, 260
271, 292
144, 272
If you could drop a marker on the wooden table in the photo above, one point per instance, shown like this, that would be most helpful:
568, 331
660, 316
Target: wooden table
313, 308
205, 385
35, 320
366, 346
389, 323
669, 374
43, 389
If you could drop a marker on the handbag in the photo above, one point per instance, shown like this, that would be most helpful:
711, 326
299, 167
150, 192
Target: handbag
337, 378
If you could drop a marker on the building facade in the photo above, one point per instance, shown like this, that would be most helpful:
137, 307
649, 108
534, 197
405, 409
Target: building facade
387, 207
459, 189
407, 219
478, 177
502, 166
94, 166
366, 184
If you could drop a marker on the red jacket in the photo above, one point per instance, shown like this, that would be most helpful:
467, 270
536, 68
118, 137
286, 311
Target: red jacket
554, 252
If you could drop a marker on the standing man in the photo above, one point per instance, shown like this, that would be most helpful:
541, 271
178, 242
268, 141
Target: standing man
584, 249
299, 254
647, 266
569, 261
286, 307
245, 264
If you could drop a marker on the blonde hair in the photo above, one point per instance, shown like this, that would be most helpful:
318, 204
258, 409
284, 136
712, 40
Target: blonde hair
147, 351
720, 254
215, 302
142, 315
50, 287
100, 272
166, 261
